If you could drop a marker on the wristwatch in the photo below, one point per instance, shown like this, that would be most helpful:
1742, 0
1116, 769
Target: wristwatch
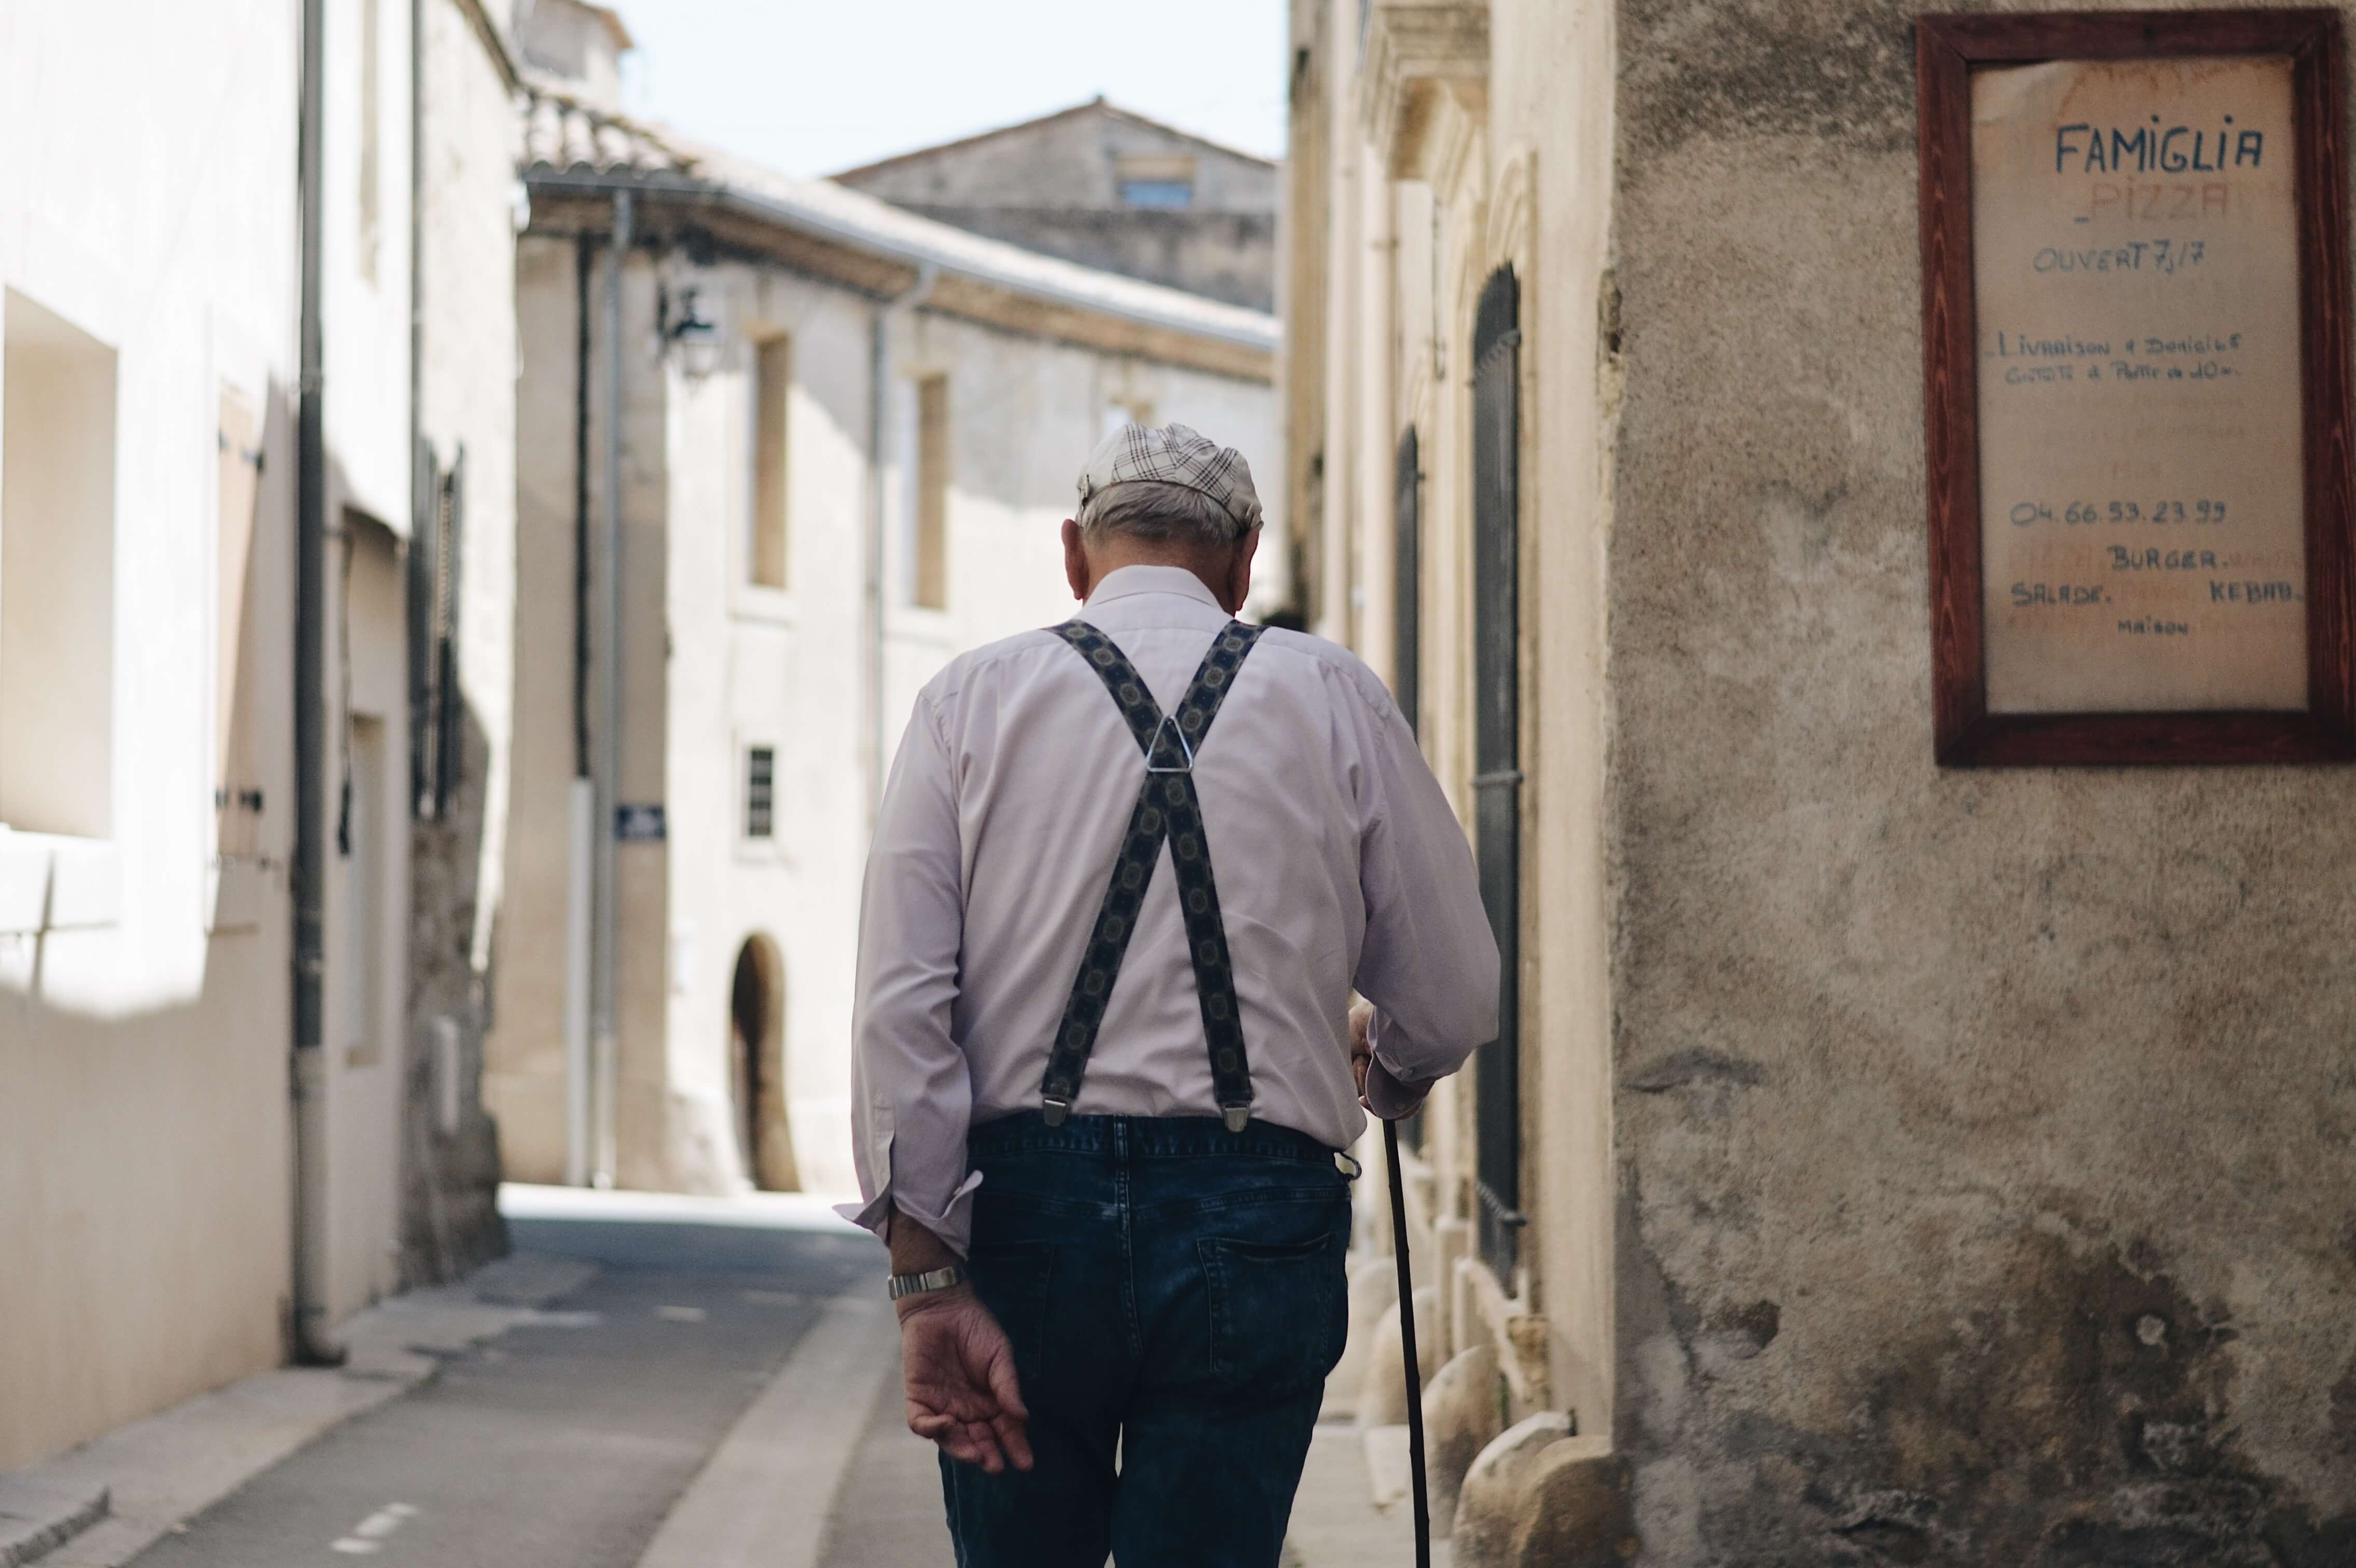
931, 1279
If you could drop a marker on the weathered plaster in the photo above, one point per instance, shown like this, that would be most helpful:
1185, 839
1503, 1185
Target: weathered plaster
1982, 1139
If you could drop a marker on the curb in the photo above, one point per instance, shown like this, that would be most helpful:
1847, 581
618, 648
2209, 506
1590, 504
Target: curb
37, 1517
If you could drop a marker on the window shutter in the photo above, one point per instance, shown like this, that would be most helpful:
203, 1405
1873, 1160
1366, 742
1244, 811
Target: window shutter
1496, 753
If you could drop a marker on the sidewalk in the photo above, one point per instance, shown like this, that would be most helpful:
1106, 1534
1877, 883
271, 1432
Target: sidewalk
102, 1504
1334, 1522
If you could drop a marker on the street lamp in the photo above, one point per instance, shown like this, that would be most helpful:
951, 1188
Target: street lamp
695, 340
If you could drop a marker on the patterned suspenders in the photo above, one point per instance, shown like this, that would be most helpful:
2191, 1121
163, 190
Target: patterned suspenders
1167, 807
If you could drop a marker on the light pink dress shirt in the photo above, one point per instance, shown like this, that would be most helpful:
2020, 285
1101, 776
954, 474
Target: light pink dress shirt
1339, 864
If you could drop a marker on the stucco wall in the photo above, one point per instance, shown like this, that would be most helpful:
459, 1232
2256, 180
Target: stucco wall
748, 665
143, 1061
1983, 1137
523, 1050
1548, 216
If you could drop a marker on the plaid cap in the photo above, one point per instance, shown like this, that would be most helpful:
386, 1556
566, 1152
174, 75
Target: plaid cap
1174, 454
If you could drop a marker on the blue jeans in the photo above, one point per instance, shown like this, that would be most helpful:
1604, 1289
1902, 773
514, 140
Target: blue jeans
1176, 1294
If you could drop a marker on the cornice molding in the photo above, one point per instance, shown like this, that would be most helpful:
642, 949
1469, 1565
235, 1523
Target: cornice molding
1419, 52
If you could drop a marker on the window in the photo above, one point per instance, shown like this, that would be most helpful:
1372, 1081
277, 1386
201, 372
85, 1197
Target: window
57, 575
932, 587
765, 556
1163, 182
1498, 752
760, 792
1175, 194
437, 547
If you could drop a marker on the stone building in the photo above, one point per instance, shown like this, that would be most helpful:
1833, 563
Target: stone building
1106, 188
828, 443
207, 871
1883, 1163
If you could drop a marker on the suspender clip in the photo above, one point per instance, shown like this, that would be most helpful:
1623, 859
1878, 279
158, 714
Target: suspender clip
1236, 1116
1170, 722
1052, 1111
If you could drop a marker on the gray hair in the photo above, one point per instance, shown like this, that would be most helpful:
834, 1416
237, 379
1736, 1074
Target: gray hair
1156, 509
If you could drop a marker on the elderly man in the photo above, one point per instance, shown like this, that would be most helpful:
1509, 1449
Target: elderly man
1126, 873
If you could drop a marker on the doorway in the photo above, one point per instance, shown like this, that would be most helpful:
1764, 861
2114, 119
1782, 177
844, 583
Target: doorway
756, 1062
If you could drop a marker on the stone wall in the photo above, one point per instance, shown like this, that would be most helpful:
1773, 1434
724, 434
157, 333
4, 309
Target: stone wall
1053, 184
1983, 1137
450, 1219
1066, 160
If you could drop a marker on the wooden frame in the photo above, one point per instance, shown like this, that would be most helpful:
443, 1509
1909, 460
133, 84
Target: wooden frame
1967, 734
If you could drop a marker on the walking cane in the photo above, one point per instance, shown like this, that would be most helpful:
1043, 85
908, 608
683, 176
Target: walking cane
1407, 1347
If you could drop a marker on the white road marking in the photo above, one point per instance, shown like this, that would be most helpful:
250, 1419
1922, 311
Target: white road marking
681, 1314
369, 1535
565, 1319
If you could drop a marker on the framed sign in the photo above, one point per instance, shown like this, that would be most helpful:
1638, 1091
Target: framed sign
2134, 318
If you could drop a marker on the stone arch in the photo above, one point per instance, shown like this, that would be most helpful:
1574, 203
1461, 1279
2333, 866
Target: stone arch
756, 1066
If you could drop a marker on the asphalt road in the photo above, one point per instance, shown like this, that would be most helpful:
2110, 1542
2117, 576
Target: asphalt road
563, 1443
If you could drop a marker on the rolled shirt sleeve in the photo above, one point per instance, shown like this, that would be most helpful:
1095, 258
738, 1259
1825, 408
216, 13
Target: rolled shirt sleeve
1429, 960
912, 1091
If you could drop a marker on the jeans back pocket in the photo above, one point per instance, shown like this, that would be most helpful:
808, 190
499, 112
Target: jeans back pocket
1280, 1311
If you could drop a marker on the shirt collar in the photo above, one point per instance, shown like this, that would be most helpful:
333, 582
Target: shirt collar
1131, 580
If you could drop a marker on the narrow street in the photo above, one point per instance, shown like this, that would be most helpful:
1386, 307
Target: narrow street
672, 1383
569, 1438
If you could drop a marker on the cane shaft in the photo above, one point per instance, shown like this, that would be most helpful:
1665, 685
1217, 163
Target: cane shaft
1407, 1347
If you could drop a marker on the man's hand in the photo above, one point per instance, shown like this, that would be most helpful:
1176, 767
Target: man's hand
1390, 1099
957, 1365
962, 1390
1361, 1053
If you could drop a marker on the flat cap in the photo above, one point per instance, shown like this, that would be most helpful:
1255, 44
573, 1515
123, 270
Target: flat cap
1174, 454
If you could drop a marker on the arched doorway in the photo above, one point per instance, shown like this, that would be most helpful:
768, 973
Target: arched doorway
756, 1062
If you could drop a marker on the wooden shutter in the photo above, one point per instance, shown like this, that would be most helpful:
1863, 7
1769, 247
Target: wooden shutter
1496, 752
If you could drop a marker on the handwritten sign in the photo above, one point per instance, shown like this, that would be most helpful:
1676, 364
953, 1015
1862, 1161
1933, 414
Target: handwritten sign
2136, 387
2136, 258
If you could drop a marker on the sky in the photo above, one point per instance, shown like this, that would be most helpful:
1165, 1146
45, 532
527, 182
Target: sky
815, 87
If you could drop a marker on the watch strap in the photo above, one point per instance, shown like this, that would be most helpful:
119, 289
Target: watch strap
945, 1278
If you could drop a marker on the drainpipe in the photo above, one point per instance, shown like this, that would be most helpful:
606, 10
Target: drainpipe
879, 447
581, 863
311, 1345
605, 1034
418, 500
